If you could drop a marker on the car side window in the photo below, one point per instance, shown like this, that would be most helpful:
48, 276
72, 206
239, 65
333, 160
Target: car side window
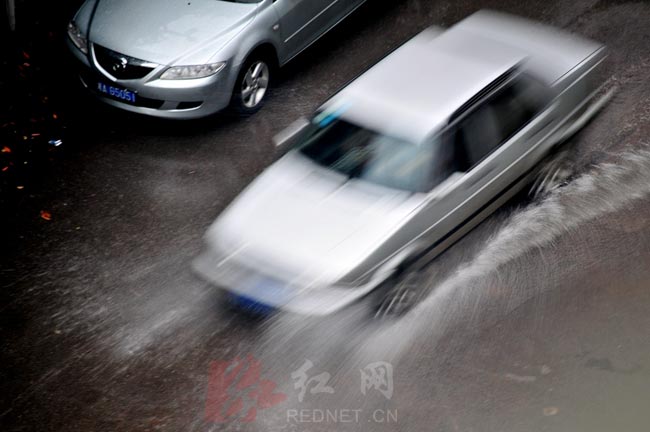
446, 159
478, 134
499, 117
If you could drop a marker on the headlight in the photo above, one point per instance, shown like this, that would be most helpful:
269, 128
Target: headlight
78, 37
190, 72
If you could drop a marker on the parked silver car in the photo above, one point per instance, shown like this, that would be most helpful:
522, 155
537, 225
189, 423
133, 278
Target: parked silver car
176, 59
403, 162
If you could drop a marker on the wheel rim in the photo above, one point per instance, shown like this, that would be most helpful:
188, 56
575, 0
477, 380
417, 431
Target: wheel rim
255, 84
554, 174
402, 297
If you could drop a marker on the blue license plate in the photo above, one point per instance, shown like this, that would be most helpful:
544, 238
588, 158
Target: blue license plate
250, 305
116, 92
261, 294
270, 289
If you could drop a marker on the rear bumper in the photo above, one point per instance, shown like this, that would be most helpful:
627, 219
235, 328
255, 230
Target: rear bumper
177, 99
271, 291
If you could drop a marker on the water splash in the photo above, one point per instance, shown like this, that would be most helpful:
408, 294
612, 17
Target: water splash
604, 189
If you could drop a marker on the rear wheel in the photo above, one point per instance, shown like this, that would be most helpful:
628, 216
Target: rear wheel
556, 172
252, 86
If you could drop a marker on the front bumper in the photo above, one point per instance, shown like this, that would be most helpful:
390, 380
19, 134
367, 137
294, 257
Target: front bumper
269, 290
178, 99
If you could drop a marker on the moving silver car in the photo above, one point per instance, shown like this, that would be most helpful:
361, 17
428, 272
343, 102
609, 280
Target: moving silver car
175, 59
403, 162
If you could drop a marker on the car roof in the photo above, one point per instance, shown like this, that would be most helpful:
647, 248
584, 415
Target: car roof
412, 92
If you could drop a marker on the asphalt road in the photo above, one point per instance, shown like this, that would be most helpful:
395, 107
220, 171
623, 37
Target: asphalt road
538, 320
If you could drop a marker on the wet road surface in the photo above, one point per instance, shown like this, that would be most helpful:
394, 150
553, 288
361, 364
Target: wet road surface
538, 320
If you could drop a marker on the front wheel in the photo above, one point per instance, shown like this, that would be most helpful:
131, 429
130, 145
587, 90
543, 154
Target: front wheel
252, 86
399, 294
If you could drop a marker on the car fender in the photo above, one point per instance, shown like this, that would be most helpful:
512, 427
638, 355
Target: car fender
401, 259
261, 32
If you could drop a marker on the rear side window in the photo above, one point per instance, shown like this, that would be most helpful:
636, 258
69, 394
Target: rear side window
499, 117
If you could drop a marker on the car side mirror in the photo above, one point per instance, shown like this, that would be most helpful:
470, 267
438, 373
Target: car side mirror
287, 137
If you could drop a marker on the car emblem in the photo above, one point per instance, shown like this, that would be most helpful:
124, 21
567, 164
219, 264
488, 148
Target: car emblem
120, 64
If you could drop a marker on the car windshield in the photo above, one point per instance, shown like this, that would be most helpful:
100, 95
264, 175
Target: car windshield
361, 153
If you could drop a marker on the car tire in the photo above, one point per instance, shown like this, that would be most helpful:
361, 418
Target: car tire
252, 85
398, 295
556, 171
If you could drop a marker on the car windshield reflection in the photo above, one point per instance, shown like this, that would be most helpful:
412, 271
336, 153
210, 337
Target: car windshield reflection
358, 152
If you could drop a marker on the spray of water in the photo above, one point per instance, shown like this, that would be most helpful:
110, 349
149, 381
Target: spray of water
604, 189
462, 283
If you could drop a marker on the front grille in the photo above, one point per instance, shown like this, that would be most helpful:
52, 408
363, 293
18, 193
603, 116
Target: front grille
121, 66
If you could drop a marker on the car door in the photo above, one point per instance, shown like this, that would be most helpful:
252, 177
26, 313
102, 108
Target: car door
301, 22
342, 8
425, 231
496, 143
503, 139
336, 10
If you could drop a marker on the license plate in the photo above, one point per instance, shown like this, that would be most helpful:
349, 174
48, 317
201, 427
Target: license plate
268, 291
116, 92
261, 296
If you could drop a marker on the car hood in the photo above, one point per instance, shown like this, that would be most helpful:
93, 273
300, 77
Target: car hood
169, 31
305, 224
